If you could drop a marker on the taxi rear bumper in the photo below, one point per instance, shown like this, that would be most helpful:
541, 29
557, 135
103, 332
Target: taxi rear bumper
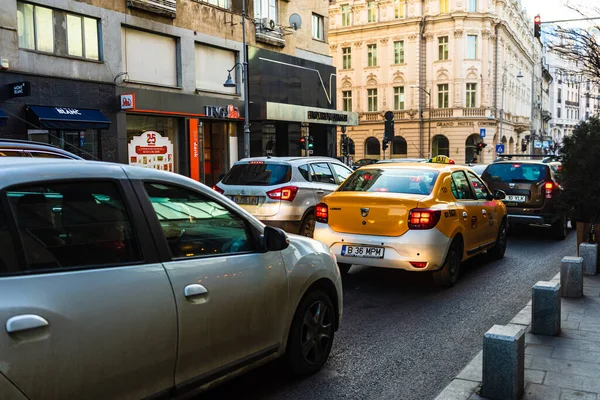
430, 246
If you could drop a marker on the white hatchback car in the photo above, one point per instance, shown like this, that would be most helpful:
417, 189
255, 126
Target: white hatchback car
127, 282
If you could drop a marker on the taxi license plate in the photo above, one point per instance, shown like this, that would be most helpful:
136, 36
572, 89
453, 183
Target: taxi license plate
515, 199
247, 200
362, 251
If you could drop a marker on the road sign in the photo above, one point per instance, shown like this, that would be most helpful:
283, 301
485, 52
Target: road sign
482, 132
499, 148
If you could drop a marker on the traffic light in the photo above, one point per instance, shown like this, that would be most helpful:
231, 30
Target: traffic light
480, 147
385, 144
303, 142
344, 145
537, 26
388, 131
310, 143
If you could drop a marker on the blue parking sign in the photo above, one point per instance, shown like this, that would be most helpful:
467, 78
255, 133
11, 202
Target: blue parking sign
499, 148
482, 132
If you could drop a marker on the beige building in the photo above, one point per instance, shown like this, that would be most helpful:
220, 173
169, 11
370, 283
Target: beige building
446, 69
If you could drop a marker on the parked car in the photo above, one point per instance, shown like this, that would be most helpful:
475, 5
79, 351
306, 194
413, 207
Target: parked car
420, 217
362, 162
128, 282
532, 190
478, 168
283, 191
26, 148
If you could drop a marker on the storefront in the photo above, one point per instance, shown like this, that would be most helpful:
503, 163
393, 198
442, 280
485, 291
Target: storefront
194, 136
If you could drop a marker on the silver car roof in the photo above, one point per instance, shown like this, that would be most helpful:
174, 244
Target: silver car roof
291, 160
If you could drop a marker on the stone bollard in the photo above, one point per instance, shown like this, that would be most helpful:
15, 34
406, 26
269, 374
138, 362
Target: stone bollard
503, 362
545, 308
571, 277
589, 253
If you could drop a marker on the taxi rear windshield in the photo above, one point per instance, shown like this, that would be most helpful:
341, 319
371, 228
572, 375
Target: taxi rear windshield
408, 181
258, 174
515, 172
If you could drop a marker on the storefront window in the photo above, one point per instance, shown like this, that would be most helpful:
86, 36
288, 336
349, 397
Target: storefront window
216, 151
152, 142
85, 144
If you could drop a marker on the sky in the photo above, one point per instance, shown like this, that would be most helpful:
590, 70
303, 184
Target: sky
553, 10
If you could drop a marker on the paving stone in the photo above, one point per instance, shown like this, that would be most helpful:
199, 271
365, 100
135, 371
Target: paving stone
534, 376
570, 325
578, 355
473, 371
579, 334
574, 382
458, 389
539, 350
584, 325
559, 365
567, 394
534, 391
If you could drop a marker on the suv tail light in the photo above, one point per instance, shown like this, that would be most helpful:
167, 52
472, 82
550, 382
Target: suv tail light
286, 193
548, 187
422, 218
322, 213
218, 189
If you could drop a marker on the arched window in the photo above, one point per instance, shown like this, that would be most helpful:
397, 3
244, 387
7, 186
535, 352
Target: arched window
372, 147
511, 146
440, 146
399, 147
470, 146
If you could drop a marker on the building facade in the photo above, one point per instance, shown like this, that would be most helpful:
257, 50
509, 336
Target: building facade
142, 81
448, 70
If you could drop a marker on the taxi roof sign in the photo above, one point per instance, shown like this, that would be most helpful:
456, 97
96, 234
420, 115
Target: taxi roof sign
441, 160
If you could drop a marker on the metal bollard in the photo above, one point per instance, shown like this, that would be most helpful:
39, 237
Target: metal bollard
545, 308
503, 363
571, 277
589, 253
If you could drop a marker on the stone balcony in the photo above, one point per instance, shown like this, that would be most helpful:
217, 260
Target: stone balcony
436, 113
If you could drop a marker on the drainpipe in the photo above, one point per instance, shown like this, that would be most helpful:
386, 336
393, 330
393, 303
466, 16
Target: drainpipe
422, 77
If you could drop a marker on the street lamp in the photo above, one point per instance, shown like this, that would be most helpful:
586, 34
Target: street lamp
229, 83
519, 75
429, 118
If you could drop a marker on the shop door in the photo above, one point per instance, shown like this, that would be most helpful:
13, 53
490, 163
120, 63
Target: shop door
215, 151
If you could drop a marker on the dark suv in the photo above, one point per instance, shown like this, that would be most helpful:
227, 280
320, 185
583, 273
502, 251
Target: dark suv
26, 148
532, 189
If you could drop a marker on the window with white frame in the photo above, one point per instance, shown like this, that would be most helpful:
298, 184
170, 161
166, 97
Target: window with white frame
347, 100
399, 9
318, 31
346, 15
371, 100
346, 57
35, 27
371, 11
372, 55
266, 9
472, 5
443, 48
399, 52
443, 95
163, 57
471, 47
471, 95
219, 3
82, 37
212, 64
399, 98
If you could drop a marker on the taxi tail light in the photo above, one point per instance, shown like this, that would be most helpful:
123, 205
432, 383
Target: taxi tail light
286, 193
548, 187
218, 189
418, 264
322, 213
422, 218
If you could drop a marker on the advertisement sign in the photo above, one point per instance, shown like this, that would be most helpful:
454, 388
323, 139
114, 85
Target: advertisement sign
151, 150
127, 101
194, 150
20, 89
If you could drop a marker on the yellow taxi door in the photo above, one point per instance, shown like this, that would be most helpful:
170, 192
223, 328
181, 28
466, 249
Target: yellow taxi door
471, 214
492, 218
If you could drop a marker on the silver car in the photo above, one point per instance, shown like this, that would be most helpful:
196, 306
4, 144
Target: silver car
283, 191
126, 282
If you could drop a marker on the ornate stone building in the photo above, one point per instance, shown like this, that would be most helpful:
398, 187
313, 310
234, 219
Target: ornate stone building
446, 69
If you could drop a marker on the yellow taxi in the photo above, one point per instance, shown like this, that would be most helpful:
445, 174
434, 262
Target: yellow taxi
413, 216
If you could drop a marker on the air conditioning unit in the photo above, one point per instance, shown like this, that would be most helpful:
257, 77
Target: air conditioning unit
268, 24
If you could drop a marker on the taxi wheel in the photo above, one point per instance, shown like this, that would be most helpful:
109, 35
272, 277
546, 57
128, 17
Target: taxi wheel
448, 275
308, 225
497, 252
344, 268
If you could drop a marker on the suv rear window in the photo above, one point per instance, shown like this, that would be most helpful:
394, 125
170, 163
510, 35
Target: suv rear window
515, 172
409, 181
263, 174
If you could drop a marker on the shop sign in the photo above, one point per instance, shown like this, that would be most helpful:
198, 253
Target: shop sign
194, 149
128, 101
486, 123
151, 150
20, 89
67, 111
230, 112
445, 124
308, 115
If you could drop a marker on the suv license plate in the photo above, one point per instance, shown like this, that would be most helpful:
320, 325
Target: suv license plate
363, 251
515, 199
247, 200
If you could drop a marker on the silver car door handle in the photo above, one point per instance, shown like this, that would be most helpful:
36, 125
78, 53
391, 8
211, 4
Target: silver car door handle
465, 215
25, 322
320, 192
194, 290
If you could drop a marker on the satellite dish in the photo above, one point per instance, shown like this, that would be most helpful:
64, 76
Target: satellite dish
295, 21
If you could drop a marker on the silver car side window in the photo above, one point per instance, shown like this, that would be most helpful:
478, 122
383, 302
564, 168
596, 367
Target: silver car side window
320, 172
8, 257
341, 172
194, 225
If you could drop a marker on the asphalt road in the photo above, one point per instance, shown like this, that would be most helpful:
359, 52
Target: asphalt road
402, 337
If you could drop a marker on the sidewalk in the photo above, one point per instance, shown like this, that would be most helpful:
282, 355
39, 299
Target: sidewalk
565, 367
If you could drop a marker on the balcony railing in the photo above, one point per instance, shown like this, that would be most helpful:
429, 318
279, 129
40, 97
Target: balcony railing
572, 103
473, 112
164, 7
436, 113
442, 113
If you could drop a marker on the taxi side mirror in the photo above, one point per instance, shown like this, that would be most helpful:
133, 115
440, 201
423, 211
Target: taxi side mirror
499, 194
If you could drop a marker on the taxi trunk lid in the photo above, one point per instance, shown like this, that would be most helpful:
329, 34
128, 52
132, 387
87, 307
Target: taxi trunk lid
379, 214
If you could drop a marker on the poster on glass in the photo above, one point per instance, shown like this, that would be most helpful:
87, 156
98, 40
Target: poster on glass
151, 150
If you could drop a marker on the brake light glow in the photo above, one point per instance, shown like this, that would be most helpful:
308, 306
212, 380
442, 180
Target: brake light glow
418, 264
322, 213
256, 162
286, 193
218, 189
421, 218
549, 186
